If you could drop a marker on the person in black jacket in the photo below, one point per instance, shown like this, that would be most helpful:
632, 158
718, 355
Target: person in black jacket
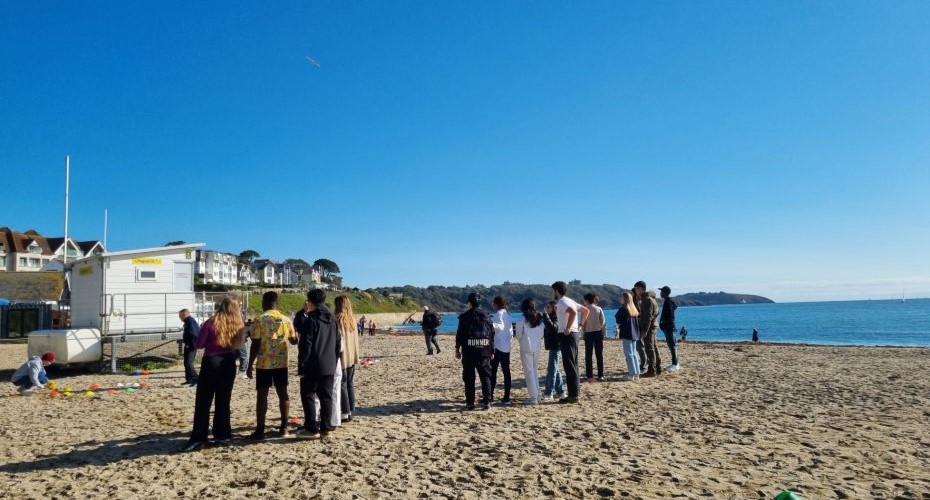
430, 324
188, 338
318, 350
667, 325
474, 345
555, 382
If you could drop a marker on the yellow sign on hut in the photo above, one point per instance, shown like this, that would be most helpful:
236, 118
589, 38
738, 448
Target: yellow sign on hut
146, 261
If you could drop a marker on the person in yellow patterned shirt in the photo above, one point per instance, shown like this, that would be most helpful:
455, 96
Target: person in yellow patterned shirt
271, 333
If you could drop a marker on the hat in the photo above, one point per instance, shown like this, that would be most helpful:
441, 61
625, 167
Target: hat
665, 289
641, 284
426, 308
48, 357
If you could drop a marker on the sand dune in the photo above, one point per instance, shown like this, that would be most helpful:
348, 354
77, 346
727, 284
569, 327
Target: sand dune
738, 421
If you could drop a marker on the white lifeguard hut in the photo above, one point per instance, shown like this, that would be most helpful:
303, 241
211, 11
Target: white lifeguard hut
122, 297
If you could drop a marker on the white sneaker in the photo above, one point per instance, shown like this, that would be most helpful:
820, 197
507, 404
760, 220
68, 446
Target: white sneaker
672, 368
27, 392
629, 378
531, 401
561, 396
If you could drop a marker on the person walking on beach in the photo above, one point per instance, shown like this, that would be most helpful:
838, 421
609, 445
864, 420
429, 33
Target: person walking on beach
189, 338
628, 323
220, 338
648, 325
552, 342
594, 331
530, 332
318, 351
684, 334
667, 325
567, 311
271, 334
430, 325
361, 326
31, 375
345, 320
503, 336
474, 345
371, 328
755, 334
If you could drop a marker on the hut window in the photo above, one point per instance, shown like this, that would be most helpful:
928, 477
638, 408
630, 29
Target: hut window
146, 275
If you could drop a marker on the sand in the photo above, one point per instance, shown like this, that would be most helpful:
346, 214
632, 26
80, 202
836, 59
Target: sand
739, 421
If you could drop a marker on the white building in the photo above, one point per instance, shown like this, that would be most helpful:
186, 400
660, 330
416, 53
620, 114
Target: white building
30, 251
247, 274
266, 272
217, 267
133, 291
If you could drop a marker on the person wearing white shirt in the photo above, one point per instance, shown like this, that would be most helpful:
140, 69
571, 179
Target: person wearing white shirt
503, 334
594, 330
567, 311
530, 332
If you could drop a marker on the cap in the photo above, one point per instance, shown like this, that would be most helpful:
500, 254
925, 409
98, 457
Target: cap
665, 289
49, 357
640, 284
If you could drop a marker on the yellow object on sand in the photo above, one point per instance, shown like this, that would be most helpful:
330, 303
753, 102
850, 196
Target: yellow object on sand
52, 386
89, 394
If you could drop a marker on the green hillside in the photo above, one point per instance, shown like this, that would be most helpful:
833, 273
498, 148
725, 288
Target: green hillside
362, 303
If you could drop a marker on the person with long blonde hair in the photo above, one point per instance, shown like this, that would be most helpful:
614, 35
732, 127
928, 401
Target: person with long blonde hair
628, 322
350, 354
220, 337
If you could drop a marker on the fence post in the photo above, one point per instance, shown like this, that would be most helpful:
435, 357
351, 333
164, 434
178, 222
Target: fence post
113, 354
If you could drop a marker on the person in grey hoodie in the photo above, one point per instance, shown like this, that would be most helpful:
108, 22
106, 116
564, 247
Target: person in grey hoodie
31, 375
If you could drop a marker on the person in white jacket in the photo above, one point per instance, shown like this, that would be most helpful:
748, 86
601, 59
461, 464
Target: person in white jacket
503, 334
530, 331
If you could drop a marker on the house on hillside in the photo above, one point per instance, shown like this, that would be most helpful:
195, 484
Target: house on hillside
31, 252
247, 274
217, 267
266, 271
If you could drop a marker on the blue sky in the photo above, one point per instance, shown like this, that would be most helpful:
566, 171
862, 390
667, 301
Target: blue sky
778, 148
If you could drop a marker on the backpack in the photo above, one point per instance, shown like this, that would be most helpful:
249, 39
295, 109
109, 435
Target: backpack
432, 320
551, 337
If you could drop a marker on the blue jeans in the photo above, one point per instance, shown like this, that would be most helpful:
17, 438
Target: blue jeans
26, 382
553, 375
632, 361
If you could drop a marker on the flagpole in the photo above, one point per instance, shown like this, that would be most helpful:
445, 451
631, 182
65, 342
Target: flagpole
67, 196
105, 221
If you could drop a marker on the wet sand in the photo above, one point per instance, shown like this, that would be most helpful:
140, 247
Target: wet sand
738, 421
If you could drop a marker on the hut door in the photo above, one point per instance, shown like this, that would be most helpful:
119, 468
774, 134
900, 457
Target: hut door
183, 277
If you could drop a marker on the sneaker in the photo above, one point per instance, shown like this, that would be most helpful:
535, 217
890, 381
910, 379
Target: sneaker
305, 433
346, 417
285, 433
561, 396
505, 401
222, 442
469, 407
27, 392
256, 436
531, 402
243, 375
648, 374
592, 380
672, 368
192, 446
486, 406
568, 400
629, 378
438, 351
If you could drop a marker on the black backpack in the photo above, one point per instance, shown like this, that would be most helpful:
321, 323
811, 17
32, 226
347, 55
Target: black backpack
551, 338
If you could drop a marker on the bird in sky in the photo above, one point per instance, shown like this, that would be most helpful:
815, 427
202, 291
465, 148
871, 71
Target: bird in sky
313, 61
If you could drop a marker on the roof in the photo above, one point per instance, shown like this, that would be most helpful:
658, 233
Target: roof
88, 246
139, 251
19, 242
31, 285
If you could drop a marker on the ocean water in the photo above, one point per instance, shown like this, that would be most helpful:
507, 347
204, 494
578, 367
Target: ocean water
872, 322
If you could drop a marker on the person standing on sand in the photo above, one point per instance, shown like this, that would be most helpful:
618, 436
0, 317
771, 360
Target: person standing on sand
650, 362
567, 311
628, 323
430, 325
530, 331
189, 338
684, 334
361, 326
350, 354
755, 334
594, 331
244, 348
474, 345
220, 338
301, 316
503, 336
371, 328
552, 342
270, 336
667, 325
318, 351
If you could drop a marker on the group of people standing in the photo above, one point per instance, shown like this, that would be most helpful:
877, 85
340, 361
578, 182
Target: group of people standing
483, 342
327, 354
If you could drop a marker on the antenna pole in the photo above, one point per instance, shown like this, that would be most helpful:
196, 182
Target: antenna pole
67, 196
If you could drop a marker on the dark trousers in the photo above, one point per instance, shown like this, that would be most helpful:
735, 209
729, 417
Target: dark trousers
319, 385
431, 341
649, 358
501, 360
570, 364
190, 369
217, 376
594, 345
348, 391
472, 363
672, 346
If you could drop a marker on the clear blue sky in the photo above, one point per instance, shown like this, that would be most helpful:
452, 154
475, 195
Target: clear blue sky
778, 148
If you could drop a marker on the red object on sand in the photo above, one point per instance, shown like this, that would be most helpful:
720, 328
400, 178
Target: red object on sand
54, 394
146, 372
144, 384
111, 392
94, 387
294, 420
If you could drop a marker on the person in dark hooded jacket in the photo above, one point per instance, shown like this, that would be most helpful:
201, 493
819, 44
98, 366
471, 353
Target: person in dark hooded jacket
474, 345
318, 350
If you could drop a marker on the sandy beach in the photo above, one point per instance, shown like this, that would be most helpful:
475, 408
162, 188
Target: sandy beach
739, 421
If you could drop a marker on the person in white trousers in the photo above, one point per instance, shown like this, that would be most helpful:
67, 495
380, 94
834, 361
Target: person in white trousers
335, 417
530, 331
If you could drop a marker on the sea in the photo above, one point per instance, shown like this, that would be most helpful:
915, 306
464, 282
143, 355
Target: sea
865, 322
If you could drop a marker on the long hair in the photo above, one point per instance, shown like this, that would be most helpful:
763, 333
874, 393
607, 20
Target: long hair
630, 305
550, 306
228, 324
528, 307
344, 317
